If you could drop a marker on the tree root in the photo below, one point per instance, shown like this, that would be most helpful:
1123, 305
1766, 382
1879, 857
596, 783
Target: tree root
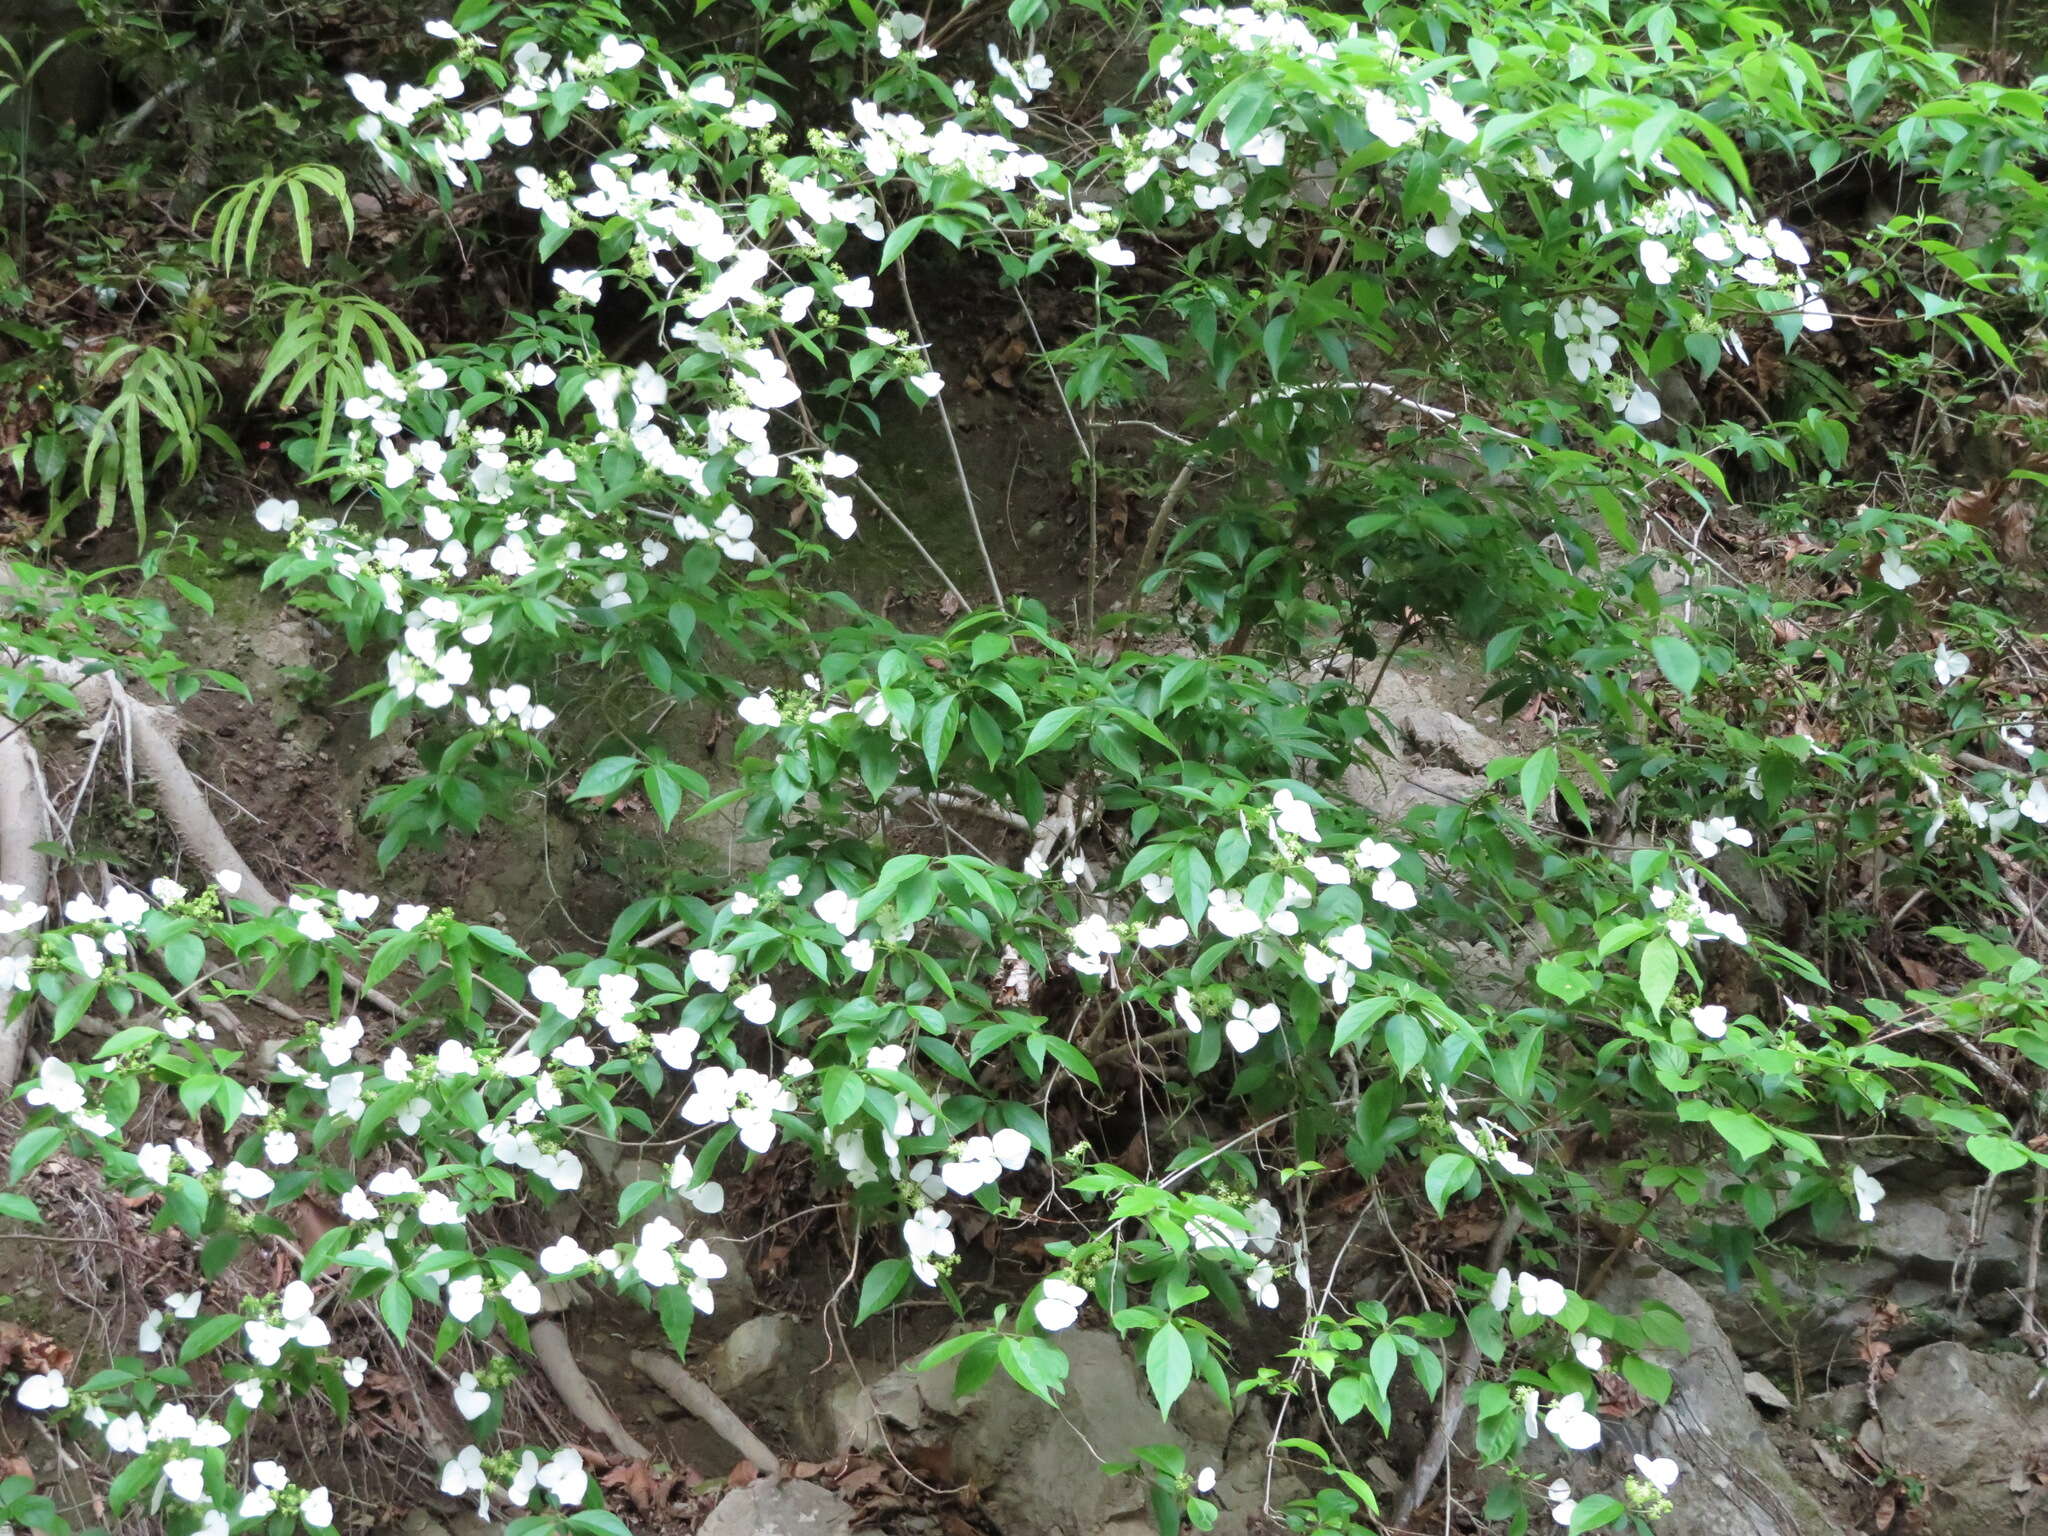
558, 1363
151, 733
706, 1404
23, 825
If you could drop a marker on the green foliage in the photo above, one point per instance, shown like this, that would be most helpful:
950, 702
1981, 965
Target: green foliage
1416, 315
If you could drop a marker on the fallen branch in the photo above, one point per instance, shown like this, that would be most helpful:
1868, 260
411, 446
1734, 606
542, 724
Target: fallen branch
706, 1404
558, 1363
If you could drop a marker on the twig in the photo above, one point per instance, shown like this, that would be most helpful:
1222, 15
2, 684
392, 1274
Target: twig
706, 1404
1451, 1407
915, 542
551, 1349
952, 442
957, 802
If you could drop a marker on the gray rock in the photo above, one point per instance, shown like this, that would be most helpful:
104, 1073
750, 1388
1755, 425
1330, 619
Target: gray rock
750, 1353
1733, 1481
1964, 1422
1933, 1234
783, 1508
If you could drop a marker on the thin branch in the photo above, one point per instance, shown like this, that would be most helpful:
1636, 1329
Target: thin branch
915, 542
952, 441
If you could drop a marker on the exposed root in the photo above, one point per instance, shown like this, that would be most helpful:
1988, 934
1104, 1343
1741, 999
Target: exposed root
706, 1404
151, 732
23, 825
551, 1349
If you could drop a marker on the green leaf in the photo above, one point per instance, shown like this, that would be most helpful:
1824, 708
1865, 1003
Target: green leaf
1596, 1511
1539, 777
2000, 1154
209, 1336
1563, 982
1659, 971
395, 1303
19, 1208
606, 776
1448, 1173
1678, 661
183, 956
1049, 729
1169, 1367
31, 1149
1749, 1136
1406, 1042
884, 1283
1648, 1378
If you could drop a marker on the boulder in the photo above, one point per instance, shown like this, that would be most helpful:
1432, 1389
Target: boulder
1438, 757
784, 1507
1967, 1424
751, 1353
1733, 1481
1933, 1232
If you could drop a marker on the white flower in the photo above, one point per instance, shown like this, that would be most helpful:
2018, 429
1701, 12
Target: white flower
838, 910
185, 1476
1659, 1473
1895, 573
355, 908
857, 294
1295, 816
465, 1297
757, 1004
1949, 665
1659, 265
275, 516
1246, 1024
40, 1393
317, 1508
562, 1256
464, 1474
1391, 891
1711, 1020
1641, 407
1442, 239
585, 285
1709, 835
1542, 1297
1588, 1352
244, 1182
1563, 1507
1867, 1192
760, 709
564, 1477
57, 1086
471, 1400
1112, 253
1575, 1428
1058, 1305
